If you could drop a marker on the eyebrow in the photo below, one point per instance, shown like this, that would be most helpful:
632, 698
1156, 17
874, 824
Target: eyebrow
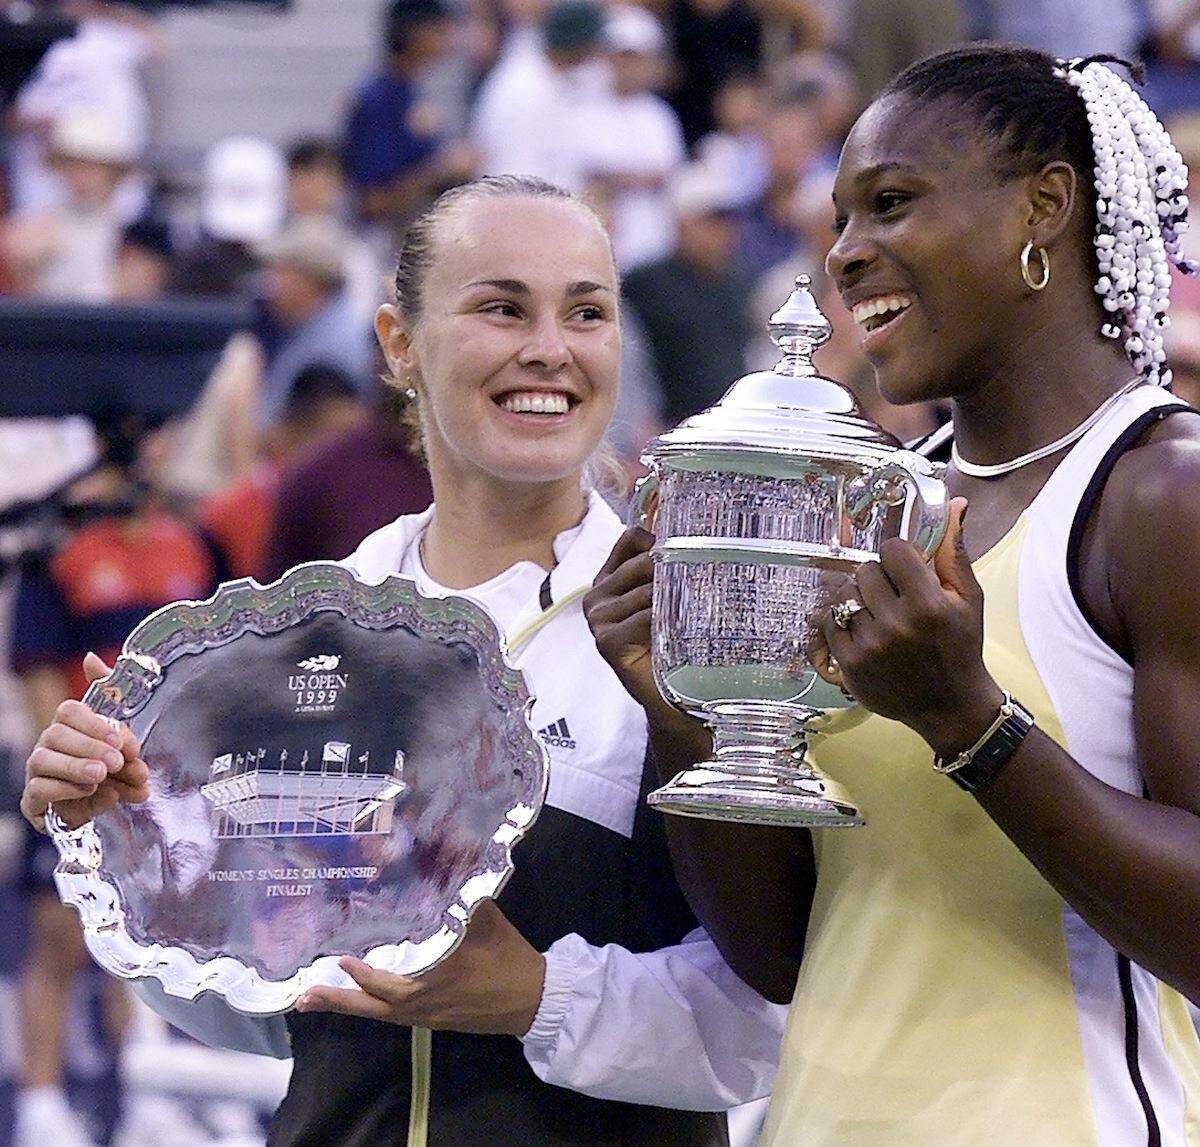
516, 287
886, 168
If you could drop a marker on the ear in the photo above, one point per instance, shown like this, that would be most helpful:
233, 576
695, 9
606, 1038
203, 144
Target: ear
1053, 194
395, 340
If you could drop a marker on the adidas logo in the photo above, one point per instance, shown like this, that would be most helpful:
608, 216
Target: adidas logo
557, 734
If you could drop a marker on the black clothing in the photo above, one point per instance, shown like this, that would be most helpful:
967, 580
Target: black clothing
351, 1080
696, 327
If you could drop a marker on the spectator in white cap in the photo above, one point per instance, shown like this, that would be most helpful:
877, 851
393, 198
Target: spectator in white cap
633, 140
69, 251
243, 201
99, 68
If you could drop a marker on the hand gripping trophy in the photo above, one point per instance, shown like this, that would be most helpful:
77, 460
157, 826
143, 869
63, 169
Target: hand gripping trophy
761, 504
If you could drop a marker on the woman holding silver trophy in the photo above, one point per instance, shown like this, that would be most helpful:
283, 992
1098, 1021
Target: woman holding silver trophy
631, 1029
1003, 954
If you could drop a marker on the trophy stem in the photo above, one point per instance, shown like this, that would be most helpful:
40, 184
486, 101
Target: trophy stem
759, 772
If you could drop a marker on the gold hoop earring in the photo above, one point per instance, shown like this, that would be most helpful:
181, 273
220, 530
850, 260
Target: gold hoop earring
1044, 258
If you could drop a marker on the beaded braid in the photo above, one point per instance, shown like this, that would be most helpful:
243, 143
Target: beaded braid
1141, 212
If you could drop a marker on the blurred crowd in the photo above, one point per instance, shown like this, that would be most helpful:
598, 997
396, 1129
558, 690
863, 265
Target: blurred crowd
706, 133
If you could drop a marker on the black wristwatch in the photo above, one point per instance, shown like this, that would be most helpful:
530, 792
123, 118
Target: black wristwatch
976, 768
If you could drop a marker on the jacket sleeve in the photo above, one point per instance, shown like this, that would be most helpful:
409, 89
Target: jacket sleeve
212, 1021
671, 1028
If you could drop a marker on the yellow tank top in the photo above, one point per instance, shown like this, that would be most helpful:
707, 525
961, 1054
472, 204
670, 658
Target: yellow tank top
947, 993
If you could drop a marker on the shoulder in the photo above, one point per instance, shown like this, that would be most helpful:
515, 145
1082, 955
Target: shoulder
1155, 485
1149, 524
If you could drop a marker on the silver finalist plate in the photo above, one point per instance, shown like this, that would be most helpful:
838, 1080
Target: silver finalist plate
335, 769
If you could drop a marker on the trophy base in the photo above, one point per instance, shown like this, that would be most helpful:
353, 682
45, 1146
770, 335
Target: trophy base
755, 796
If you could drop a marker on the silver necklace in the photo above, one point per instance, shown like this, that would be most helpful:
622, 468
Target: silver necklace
975, 470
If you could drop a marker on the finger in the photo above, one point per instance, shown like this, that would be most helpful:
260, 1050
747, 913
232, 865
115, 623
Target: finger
839, 641
346, 1001
76, 715
632, 542
42, 792
907, 568
383, 985
637, 570
874, 590
107, 797
821, 659
94, 667
49, 763
631, 633
135, 775
125, 793
72, 743
950, 562
73, 813
131, 747
613, 610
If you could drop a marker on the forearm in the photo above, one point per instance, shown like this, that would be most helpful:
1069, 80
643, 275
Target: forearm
750, 887
608, 1012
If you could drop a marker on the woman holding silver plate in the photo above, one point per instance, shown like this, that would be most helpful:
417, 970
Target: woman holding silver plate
1003, 954
506, 337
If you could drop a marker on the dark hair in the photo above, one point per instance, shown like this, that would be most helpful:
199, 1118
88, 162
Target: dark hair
405, 16
150, 234
310, 150
314, 388
1013, 93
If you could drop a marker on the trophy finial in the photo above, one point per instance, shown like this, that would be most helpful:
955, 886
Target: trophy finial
798, 328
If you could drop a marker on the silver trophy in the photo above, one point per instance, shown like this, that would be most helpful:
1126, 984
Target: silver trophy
761, 505
336, 768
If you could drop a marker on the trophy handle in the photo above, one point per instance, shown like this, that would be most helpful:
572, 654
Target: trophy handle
644, 509
912, 480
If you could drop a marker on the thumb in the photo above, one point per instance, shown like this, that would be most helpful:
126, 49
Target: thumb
94, 668
950, 562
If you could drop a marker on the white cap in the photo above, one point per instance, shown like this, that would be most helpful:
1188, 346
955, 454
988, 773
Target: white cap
702, 189
243, 190
629, 29
93, 134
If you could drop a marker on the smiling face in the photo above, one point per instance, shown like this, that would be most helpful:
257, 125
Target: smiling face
926, 257
515, 351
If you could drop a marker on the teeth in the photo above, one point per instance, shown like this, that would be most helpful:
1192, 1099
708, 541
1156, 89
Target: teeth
535, 402
881, 305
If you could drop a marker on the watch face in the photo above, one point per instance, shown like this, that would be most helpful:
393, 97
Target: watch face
335, 769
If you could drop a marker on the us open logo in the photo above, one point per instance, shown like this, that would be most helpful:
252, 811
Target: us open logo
318, 689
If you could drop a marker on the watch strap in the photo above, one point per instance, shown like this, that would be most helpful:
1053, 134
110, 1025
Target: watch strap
976, 768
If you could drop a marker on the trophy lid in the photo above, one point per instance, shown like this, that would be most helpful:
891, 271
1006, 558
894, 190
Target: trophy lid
790, 410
